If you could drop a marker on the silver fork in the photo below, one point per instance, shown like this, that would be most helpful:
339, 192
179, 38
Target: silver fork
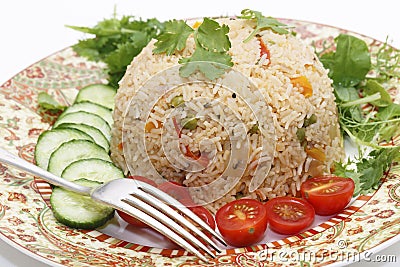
142, 201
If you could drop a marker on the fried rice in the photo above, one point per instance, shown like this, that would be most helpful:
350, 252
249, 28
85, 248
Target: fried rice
285, 121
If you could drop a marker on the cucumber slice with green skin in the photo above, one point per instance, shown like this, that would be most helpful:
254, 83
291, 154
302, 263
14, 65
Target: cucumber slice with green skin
49, 141
97, 93
73, 151
78, 211
93, 108
92, 169
88, 119
96, 134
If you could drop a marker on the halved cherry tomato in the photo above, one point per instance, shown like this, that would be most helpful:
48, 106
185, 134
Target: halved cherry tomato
128, 218
242, 222
328, 194
177, 191
131, 220
204, 214
143, 179
289, 215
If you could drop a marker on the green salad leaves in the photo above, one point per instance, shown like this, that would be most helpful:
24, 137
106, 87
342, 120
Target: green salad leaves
366, 111
364, 104
116, 42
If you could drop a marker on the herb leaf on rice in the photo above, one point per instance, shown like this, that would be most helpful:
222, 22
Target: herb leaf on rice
211, 52
173, 38
263, 23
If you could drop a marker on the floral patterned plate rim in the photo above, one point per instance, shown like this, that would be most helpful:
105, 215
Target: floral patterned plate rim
370, 224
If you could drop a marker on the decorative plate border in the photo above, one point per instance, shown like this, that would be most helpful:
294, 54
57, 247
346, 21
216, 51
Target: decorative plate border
27, 223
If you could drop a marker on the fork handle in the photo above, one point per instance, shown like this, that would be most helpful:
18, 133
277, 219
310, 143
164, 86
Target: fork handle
17, 162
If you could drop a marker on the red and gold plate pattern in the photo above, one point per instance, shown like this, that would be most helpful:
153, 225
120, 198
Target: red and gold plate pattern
26, 221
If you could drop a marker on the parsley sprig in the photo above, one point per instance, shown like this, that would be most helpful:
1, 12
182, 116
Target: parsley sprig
211, 52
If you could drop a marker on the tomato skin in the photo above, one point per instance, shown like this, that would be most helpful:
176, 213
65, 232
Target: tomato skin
131, 220
289, 215
128, 218
328, 194
177, 191
242, 222
204, 214
143, 179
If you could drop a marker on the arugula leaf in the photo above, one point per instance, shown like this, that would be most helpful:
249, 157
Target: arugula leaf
350, 63
348, 67
116, 42
174, 37
263, 23
373, 87
345, 94
47, 102
391, 115
389, 112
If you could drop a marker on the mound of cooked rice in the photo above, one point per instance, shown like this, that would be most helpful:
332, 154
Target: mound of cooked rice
292, 93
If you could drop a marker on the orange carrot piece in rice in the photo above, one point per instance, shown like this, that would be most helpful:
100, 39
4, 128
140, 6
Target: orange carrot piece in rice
304, 83
316, 153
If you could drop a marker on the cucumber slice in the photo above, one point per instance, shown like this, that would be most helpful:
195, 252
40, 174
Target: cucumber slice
97, 136
49, 141
93, 108
97, 93
88, 119
77, 211
73, 151
92, 169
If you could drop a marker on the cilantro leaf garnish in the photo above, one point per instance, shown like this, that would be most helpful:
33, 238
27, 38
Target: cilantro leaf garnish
368, 170
173, 38
116, 42
210, 56
47, 102
263, 23
213, 37
211, 64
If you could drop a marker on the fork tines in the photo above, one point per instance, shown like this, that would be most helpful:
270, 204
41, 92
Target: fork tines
154, 207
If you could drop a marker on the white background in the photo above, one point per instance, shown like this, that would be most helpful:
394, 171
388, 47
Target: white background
31, 30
